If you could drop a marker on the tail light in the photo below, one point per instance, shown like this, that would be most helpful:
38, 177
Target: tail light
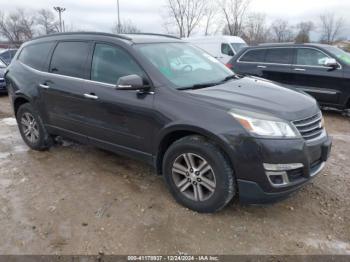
230, 66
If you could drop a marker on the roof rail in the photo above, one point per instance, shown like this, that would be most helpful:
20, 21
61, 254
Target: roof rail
82, 33
284, 43
155, 34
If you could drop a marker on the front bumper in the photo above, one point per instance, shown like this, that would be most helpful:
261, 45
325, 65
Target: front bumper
254, 183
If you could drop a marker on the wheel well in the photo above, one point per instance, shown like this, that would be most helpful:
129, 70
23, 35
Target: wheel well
169, 139
348, 104
18, 102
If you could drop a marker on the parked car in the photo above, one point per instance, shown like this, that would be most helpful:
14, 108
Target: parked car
7, 55
323, 71
2, 79
212, 134
222, 48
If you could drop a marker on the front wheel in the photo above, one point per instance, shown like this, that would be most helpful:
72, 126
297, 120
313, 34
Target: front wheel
32, 129
198, 174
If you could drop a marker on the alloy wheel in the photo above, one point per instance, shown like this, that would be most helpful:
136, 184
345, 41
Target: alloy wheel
194, 177
30, 128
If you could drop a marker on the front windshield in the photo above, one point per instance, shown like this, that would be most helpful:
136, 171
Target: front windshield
185, 65
340, 54
238, 46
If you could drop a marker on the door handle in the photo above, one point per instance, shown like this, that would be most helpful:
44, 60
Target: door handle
260, 66
299, 69
91, 96
45, 86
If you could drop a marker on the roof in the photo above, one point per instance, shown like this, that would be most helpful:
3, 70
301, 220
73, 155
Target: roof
131, 38
225, 38
290, 45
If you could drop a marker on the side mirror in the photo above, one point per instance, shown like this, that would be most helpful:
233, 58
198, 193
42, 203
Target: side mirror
130, 82
331, 62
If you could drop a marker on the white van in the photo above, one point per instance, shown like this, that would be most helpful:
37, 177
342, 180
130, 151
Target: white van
222, 47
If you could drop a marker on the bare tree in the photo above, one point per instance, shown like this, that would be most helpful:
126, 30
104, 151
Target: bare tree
185, 15
234, 12
255, 29
210, 15
126, 27
331, 27
46, 20
304, 30
282, 31
17, 26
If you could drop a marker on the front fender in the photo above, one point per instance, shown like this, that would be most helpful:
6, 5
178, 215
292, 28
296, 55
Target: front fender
221, 141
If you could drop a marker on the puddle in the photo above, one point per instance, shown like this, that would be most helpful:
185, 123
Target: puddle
4, 155
336, 245
343, 137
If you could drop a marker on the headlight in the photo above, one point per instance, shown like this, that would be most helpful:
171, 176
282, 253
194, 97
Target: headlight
264, 126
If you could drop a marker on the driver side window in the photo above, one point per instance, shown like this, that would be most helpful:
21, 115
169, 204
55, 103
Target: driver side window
109, 63
310, 57
226, 50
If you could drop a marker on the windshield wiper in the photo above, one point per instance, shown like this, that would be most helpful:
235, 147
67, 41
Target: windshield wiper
198, 86
227, 78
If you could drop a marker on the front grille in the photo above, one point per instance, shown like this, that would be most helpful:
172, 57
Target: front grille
311, 127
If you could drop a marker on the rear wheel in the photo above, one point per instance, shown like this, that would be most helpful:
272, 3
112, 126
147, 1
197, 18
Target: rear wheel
32, 129
198, 174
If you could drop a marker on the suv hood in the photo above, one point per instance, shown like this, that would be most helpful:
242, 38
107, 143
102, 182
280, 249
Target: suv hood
261, 96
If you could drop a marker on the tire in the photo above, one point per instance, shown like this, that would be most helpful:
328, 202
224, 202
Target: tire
198, 195
32, 130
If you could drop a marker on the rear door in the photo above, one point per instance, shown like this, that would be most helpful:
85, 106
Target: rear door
64, 87
277, 65
312, 77
250, 62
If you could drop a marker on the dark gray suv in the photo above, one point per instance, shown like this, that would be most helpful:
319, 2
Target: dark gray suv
323, 71
212, 134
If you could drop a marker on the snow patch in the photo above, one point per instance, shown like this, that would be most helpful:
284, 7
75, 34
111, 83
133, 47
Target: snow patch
10, 121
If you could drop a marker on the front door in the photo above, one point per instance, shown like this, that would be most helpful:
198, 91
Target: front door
119, 118
226, 53
312, 77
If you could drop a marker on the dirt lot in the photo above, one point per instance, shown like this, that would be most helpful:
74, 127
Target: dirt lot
76, 199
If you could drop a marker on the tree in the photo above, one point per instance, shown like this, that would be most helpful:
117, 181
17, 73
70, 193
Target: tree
255, 29
330, 27
17, 26
46, 20
210, 16
234, 12
126, 27
304, 29
185, 15
281, 31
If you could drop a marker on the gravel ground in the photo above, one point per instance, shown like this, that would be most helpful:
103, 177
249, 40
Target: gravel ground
76, 199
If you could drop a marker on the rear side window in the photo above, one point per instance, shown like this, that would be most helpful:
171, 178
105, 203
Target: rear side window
226, 49
279, 56
36, 55
109, 63
69, 58
256, 55
310, 57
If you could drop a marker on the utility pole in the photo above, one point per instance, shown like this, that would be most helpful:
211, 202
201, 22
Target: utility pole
119, 25
60, 10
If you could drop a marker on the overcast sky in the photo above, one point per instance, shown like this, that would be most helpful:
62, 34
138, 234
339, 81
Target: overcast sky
99, 15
